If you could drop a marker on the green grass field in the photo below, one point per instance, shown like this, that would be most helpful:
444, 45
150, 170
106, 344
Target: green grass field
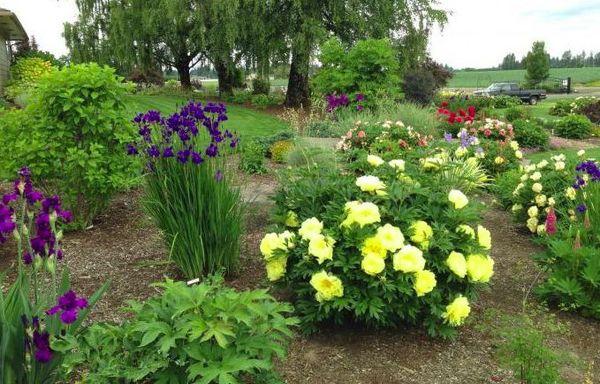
481, 79
592, 153
246, 122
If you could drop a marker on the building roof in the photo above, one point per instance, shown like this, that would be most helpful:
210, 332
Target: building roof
10, 26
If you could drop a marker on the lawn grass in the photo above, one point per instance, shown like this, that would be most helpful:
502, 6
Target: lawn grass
481, 79
246, 122
571, 154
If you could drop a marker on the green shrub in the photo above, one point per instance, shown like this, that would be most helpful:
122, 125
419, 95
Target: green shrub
73, 137
280, 149
504, 101
561, 108
261, 86
25, 74
504, 185
369, 67
203, 333
342, 263
530, 134
419, 86
260, 101
574, 127
515, 113
189, 187
239, 97
267, 141
321, 128
252, 158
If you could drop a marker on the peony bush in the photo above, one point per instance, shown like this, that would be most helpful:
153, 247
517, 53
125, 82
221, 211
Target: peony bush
381, 249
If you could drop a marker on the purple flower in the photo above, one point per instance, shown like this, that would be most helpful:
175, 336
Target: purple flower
131, 150
27, 258
581, 208
168, 152
68, 306
41, 341
182, 156
196, 158
359, 107
219, 176
359, 97
153, 151
448, 137
212, 150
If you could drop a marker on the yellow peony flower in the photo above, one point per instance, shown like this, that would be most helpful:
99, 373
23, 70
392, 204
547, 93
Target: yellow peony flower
480, 268
484, 236
373, 246
372, 264
421, 233
542, 164
532, 223
424, 282
514, 145
466, 229
310, 227
571, 193
457, 311
537, 188
518, 154
559, 165
291, 219
375, 161
581, 153
536, 176
398, 165
361, 214
525, 177
541, 200
390, 237
370, 184
551, 201
499, 160
270, 243
516, 208
541, 230
276, 268
409, 259
458, 199
327, 286
457, 263
321, 247
533, 211
288, 239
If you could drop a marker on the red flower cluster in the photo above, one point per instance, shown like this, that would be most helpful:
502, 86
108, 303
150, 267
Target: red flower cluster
458, 117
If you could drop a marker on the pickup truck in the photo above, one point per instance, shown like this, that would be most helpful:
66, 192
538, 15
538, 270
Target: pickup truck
531, 96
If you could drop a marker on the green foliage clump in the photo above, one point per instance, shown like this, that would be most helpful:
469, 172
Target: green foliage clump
530, 134
321, 128
515, 113
369, 67
73, 136
267, 141
25, 74
261, 101
504, 101
204, 333
591, 111
504, 185
261, 86
280, 149
561, 108
419, 86
252, 158
537, 64
574, 127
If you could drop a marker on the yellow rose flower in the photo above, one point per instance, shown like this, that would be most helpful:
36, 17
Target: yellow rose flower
409, 259
542, 164
532, 223
373, 246
327, 286
518, 154
291, 219
310, 227
559, 165
484, 236
457, 311
390, 237
458, 199
536, 176
270, 243
457, 264
375, 161
321, 247
537, 188
276, 268
361, 214
372, 264
398, 165
581, 153
466, 229
541, 200
514, 145
421, 233
424, 282
370, 184
533, 211
571, 193
551, 201
480, 268
499, 160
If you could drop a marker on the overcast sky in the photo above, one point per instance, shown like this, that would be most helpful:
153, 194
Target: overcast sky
478, 34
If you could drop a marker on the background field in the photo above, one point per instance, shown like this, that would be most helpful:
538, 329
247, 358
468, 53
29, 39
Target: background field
481, 79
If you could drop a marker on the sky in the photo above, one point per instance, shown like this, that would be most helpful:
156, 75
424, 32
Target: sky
479, 33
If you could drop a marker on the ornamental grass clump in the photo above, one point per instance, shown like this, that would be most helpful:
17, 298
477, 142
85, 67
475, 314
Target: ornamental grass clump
39, 310
393, 246
189, 191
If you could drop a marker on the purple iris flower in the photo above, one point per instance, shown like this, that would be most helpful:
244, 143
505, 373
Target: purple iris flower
448, 137
182, 156
168, 152
196, 158
219, 175
153, 151
131, 150
27, 258
212, 150
359, 107
41, 341
68, 306
359, 97
581, 208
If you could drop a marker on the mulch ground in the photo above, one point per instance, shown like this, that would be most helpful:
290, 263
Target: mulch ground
124, 246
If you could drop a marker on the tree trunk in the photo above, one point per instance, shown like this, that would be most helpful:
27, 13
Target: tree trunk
225, 76
298, 91
183, 69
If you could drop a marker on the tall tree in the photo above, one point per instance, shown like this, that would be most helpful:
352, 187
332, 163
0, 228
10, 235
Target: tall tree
510, 62
537, 63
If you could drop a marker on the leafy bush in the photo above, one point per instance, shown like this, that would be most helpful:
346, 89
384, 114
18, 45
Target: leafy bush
504, 185
530, 134
260, 101
321, 128
516, 113
574, 127
369, 67
504, 101
419, 86
261, 86
25, 74
204, 333
72, 135
252, 158
391, 247
146, 77
280, 149
189, 191
267, 141
592, 112
561, 108
38, 311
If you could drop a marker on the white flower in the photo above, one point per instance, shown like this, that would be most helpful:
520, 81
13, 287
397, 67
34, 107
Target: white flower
536, 176
580, 153
559, 165
514, 145
375, 161
542, 164
537, 188
397, 164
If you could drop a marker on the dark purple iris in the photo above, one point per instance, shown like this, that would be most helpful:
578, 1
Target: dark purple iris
196, 158
131, 150
68, 306
182, 156
219, 175
581, 208
212, 150
359, 97
153, 151
168, 152
41, 342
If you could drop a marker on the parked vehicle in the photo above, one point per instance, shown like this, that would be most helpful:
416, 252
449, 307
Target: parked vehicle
531, 96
